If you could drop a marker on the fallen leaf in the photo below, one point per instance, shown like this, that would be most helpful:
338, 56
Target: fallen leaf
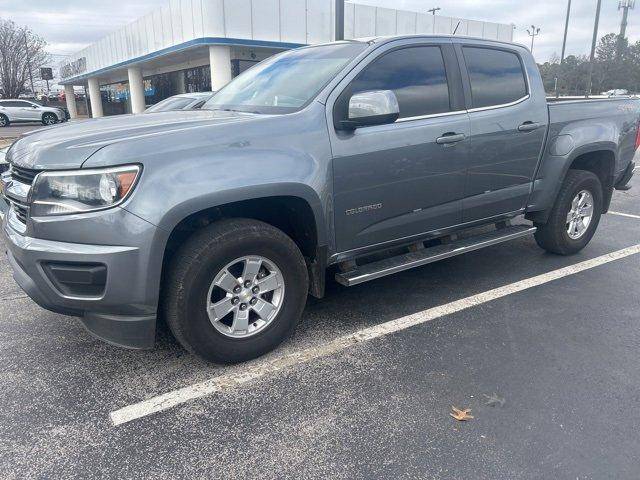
460, 415
494, 399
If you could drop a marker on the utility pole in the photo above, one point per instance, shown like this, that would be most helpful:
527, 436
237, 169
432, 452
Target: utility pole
566, 30
593, 49
26, 52
535, 31
339, 20
433, 10
564, 43
623, 5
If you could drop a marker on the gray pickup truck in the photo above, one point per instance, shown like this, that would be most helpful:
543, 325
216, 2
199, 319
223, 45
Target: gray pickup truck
359, 158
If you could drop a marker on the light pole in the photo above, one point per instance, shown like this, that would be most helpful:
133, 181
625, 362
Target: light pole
533, 33
433, 10
593, 48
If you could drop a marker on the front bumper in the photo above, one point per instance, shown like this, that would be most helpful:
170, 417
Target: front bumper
124, 311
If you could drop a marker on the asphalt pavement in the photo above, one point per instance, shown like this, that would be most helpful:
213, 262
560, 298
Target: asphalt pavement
548, 369
16, 129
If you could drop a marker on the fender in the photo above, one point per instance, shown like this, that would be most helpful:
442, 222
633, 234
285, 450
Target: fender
214, 199
552, 173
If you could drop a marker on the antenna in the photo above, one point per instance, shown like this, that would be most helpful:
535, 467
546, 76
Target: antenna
456, 29
625, 6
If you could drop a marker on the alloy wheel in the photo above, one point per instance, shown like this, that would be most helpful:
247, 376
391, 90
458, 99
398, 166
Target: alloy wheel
580, 214
245, 296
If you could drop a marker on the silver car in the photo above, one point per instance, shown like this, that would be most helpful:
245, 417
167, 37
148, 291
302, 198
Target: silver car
4, 166
14, 111
183, 101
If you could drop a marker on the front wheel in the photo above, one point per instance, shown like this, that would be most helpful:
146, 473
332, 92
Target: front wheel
49, 118
575, 216
235, 290
4, 121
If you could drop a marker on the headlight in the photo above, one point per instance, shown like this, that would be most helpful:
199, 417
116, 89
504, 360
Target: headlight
80, 191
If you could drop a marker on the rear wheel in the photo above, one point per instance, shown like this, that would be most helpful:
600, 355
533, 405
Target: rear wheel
4, 121
235, 290
49, 118
575, 216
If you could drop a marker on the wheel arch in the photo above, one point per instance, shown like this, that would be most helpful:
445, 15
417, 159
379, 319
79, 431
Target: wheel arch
599, 158
295, 215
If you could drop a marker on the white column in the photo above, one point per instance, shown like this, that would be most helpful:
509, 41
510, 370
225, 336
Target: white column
220, 62
136, 88
70, 98
181, 86
94, 96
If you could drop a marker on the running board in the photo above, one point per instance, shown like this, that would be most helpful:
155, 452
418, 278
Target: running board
389, 266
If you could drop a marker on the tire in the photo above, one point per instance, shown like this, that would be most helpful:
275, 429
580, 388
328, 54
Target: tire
4, 121
49, 118
205, 256
554, 236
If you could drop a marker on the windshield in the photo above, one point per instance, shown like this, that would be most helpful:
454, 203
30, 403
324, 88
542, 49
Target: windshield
286, 82
169, 104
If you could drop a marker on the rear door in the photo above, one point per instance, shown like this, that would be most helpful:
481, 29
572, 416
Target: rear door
32, 111
395, 181
508, 127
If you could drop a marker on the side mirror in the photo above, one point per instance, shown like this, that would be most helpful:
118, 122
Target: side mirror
378, 107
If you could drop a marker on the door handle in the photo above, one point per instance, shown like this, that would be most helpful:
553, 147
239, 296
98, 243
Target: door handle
449, 138
528, 127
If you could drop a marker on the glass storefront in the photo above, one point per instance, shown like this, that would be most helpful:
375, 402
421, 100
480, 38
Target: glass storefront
164, 85
116, 96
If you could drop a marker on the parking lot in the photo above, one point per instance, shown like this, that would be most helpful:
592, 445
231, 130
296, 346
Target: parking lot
365, 387
15, 130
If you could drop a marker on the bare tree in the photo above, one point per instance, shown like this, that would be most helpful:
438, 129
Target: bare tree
20, 50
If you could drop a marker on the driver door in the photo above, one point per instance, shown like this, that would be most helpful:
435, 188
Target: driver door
403, 179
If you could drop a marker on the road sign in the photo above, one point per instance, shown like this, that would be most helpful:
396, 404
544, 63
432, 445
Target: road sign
46, 73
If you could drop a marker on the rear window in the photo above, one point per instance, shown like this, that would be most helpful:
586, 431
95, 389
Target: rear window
496, 76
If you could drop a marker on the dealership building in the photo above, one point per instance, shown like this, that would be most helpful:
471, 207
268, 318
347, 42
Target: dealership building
200, 45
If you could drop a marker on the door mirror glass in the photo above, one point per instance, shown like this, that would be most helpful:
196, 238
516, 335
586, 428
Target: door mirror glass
378, 107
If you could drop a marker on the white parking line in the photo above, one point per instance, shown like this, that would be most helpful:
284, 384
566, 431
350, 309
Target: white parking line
261, 368
625, 215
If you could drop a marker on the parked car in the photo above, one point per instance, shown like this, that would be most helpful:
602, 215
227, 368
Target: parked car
4, 166
15, 111
363, 158
616, 92
184, 101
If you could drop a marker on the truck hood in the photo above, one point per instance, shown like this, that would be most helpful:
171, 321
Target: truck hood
69, 145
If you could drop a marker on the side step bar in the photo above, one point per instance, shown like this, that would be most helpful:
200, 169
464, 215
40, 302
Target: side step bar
389, 266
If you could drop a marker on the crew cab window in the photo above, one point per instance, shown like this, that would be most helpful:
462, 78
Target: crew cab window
496, 76
416, 75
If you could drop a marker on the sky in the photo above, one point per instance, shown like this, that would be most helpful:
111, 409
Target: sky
70, 25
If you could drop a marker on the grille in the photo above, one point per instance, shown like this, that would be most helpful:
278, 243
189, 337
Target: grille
21, 211
24, 175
